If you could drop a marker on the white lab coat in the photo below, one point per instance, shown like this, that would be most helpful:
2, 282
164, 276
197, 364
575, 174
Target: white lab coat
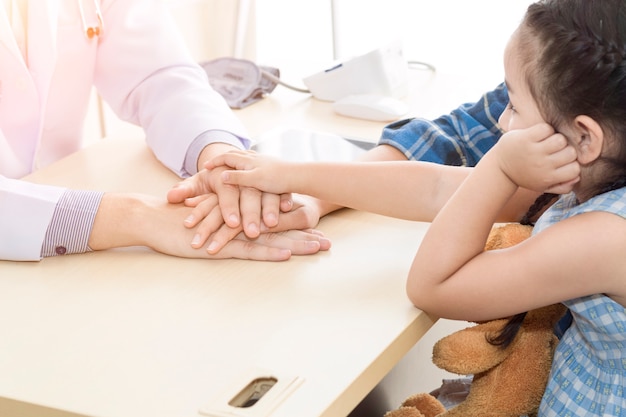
140, 67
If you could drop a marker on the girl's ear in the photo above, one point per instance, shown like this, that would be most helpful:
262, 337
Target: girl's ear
590, 139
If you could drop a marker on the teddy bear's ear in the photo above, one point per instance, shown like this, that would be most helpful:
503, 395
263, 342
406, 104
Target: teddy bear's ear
507, 235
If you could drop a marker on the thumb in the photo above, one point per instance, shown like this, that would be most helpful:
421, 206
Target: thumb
190, 187
179, 192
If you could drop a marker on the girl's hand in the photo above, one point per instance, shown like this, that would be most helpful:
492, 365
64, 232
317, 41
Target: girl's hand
253, 170
246, 207
539, 159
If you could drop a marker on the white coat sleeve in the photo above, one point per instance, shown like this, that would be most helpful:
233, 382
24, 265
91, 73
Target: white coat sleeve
25, 213
146, 74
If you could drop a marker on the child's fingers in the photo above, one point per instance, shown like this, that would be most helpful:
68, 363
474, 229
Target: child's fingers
554, 143
562, 188
240, 178
564, 177
230, 158
235, 159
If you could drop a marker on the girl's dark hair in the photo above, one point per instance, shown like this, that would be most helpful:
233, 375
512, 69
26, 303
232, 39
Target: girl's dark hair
505, 337
575, 64
575, 55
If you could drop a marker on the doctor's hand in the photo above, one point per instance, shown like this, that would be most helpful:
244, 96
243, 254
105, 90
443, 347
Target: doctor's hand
304, 215
246, 207
137, 220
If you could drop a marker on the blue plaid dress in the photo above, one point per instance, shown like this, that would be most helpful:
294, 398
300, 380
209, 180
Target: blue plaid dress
588, 376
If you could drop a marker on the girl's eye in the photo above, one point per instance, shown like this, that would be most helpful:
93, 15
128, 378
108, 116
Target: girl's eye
510, 107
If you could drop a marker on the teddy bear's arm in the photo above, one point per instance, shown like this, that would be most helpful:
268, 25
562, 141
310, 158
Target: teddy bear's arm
468, 352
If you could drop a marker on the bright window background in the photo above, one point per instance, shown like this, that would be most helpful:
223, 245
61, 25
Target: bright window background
457, 36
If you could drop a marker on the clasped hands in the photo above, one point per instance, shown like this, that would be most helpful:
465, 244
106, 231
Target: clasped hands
221, 215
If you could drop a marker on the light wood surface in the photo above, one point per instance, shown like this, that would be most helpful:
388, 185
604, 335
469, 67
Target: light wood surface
135, 333
132, 333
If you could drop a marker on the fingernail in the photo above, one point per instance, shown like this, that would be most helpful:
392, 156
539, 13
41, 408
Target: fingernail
272, 220
234, 220
312, 246
190, 219
252, 229
212, 248
196, 240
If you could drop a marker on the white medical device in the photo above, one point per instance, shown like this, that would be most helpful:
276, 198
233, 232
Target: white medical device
383, 72
371, 107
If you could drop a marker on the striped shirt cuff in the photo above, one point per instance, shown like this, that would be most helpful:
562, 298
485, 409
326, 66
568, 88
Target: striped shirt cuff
71, 223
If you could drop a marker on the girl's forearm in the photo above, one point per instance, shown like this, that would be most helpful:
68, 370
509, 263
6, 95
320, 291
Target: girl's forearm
460, 230
408, 190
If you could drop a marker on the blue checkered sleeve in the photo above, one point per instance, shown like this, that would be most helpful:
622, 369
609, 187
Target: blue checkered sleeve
460, 138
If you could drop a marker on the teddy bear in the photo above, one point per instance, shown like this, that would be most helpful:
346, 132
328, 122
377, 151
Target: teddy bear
507, 380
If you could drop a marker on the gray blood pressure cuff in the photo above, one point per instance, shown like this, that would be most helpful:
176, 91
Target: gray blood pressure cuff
239, 81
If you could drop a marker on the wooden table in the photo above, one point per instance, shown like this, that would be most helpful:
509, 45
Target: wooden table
133, 333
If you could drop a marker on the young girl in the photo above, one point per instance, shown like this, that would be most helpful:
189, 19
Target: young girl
565, 70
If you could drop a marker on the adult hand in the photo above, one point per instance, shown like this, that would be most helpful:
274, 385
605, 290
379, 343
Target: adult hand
305, 215
539, 159
139, 220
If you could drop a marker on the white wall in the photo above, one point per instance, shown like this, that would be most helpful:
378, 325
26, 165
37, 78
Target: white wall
457, 36
209, 29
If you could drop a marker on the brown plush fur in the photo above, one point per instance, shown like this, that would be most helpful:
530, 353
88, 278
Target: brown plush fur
507, 381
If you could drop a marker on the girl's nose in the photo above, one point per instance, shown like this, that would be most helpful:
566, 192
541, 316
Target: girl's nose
503, 120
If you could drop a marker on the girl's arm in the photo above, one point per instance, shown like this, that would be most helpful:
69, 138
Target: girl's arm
451, 275
403, 189
567, 260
